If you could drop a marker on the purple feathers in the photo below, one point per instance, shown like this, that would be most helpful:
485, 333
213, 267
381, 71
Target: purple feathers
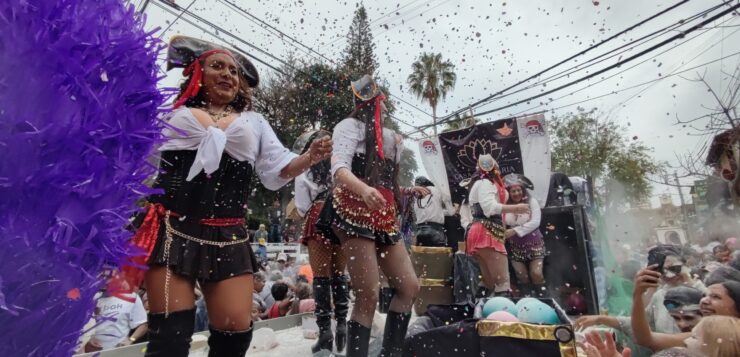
78, 119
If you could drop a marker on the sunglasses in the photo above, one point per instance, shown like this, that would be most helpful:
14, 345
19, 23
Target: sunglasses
676, 269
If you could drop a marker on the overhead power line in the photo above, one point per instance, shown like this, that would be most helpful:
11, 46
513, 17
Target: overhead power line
682, 34
627, 60
581, 53
617, 52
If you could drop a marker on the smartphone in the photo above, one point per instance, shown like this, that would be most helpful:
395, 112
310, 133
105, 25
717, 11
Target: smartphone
656, 258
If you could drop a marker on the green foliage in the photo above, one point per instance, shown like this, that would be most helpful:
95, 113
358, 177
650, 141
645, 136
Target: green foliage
460, 122
431, 79
359, 56
583, 145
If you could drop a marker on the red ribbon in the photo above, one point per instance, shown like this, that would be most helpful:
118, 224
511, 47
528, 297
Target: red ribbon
378, 128
195, 71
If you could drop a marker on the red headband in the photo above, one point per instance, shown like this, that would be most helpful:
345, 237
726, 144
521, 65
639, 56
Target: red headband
195, 71
378, 128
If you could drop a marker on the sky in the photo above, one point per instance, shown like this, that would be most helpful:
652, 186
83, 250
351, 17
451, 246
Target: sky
495, 44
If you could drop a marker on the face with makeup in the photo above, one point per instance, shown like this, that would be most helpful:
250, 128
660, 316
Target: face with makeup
220, 78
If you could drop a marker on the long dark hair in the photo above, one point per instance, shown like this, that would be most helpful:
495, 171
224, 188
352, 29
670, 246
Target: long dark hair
242, 101
365, 112
321, 172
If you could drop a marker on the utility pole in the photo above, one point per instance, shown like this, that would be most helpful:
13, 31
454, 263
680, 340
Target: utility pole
687, 223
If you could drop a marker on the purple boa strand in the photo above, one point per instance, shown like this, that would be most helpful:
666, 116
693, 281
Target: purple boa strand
78, 119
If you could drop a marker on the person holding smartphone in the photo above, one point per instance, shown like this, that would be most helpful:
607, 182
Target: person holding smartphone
670, 263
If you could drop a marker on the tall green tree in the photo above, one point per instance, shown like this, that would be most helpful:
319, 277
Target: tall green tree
584, 145
431, 79
460, 122
359, 55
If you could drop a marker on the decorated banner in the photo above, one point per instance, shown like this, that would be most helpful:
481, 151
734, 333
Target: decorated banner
520, 145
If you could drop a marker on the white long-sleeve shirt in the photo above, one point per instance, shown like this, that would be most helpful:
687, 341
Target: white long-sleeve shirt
306, 191
526, 223
349, 138
248, 138
485, 193
432, 208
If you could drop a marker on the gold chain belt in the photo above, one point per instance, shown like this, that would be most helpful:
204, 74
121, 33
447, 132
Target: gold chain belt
169, 233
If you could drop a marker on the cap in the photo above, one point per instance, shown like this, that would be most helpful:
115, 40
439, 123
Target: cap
183, 50
423, 181
365, 88
518, 179
683, 298
282, 256
487, 163
302, 143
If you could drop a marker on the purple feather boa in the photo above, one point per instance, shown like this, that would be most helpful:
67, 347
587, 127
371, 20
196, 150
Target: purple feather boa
78, 119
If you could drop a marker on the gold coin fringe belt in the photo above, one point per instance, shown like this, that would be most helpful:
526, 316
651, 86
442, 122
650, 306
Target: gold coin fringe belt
496, 230
351, 208
169, 233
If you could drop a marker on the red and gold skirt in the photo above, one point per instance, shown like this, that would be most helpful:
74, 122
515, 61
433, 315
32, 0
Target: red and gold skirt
353, 210
309, 225
484, 234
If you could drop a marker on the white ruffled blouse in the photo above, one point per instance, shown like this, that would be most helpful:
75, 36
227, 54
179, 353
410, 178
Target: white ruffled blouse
248, 138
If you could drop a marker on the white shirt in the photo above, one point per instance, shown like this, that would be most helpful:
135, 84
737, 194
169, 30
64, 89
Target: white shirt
432, 208
485, 193
248, 138
116, 317
349, 138
525, 223
306, 191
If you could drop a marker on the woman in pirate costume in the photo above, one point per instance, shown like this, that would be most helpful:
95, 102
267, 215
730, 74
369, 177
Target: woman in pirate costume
326, 258
194, 229
526, 246
486, 235
361, 214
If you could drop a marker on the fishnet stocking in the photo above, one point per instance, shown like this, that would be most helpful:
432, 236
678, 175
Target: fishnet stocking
326, 259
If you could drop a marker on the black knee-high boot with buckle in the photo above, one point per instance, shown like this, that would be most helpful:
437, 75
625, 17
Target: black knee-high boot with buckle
396, 324
358, 339
228, 343
170, 335
340, 292
322, 297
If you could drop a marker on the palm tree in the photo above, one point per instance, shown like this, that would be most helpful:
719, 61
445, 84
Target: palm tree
431, 80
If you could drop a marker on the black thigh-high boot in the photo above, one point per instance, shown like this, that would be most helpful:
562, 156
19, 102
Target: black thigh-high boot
525, 289
340, 292
396, 324
358, 339
540, 290
170, 336
228, 343
322, 297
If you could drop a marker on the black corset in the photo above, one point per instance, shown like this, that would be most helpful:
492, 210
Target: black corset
222, 194
385, 175
477, 212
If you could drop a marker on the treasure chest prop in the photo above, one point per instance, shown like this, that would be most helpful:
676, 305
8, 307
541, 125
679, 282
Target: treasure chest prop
433, 267
474, 337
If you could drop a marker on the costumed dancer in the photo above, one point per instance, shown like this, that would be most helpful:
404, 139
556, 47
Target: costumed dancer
430, 214
361, 214
486, 235
526, 246
214, 141
326, 258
